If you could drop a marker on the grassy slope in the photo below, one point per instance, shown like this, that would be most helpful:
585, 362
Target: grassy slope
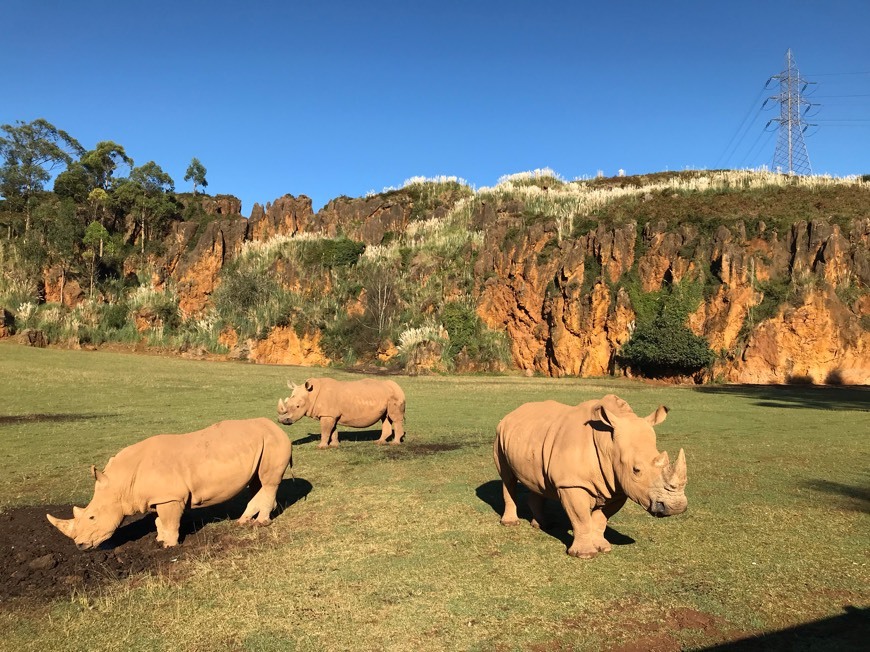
399, 550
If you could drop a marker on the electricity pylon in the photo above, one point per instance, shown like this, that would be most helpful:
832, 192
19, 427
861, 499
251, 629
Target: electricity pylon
791, 151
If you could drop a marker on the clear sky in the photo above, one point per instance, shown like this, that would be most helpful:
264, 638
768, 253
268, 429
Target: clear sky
330, 97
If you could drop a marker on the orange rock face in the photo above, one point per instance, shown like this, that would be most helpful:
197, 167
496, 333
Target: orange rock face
284, 346
820, 341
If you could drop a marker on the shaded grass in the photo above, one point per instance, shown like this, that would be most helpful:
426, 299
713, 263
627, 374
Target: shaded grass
400, 549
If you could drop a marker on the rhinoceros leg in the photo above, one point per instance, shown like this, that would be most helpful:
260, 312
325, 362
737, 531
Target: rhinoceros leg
600, 517
386, 431
264, 485
509, 488
578, 505
396, 415
536, 504
168, 521
327, 428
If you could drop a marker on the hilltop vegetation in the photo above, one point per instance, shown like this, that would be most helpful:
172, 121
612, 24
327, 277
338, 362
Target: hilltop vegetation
685, 274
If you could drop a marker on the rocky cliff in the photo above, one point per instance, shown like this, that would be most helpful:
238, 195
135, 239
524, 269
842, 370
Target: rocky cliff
784, 270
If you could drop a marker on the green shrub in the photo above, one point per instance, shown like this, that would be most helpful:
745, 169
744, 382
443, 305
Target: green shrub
338, 252
666, 347
661, 344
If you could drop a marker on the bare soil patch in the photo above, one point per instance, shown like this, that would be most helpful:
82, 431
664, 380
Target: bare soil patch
39, 563
411, 449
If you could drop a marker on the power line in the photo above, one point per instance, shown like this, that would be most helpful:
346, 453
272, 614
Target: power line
739, 128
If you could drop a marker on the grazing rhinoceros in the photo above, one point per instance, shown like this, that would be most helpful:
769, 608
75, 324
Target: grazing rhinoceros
358, 404
166, 473
591, 457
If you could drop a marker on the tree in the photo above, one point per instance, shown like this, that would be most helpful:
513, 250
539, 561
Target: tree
144, 193
196, 173
102, 161
94, 241
30, 152
662, 345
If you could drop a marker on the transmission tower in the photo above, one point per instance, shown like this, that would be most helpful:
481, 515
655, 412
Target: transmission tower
791, 151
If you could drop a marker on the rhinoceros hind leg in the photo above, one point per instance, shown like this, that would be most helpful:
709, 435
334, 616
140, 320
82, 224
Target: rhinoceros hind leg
168, 522
536, 504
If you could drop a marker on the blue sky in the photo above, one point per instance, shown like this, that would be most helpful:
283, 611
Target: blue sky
329, 98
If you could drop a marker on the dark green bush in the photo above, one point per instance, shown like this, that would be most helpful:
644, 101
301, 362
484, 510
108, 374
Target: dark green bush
340, 252
666, 347
662, 345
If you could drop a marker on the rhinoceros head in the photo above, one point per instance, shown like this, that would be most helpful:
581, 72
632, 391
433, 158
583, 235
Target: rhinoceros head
92, 525
294, 407
646, 476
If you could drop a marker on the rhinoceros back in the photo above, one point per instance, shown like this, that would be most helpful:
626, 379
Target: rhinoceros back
358, 403
201, 468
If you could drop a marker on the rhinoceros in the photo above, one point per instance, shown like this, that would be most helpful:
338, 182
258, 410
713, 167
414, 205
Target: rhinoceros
591, 457
166, 473
358, 404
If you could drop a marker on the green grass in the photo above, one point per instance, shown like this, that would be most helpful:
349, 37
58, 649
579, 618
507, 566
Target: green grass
394, 549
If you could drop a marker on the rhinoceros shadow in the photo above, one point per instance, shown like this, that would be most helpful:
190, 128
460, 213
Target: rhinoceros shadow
290, 491
343, 435
558, 525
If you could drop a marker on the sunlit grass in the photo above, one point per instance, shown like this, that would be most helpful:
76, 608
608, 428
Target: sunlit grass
399, 548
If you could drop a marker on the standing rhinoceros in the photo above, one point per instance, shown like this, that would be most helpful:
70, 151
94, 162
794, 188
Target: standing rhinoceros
591, 457
358, 404
166, 473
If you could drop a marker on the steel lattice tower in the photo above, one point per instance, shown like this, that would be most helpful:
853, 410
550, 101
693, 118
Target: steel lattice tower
791, 151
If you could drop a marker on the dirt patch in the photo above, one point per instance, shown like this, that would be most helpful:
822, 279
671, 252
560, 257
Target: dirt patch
37, 418
408, 450
39, 563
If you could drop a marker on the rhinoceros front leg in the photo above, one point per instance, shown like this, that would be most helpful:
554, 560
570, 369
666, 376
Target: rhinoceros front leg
168, 522
600, 515
578, 505
386, 431
396, 415
327, 428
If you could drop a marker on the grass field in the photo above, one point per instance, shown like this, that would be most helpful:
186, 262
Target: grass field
400, 548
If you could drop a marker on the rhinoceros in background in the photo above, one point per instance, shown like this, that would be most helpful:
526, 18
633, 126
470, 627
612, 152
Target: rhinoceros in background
166, 473
358, 404
591, 457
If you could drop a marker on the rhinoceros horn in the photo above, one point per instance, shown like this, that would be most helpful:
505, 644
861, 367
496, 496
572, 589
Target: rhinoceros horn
676, 475
65, 525
662, 461
77, 511
281, 407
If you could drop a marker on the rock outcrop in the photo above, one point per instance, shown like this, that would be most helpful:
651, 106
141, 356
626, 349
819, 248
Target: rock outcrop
563, 296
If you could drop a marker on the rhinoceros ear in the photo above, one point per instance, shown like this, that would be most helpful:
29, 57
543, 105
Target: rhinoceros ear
291, 385
99, 476
309, 386
602, 414
658, 416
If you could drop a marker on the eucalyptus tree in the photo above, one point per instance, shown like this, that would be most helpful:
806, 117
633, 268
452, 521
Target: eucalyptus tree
30, 152
196, 173
102, 162
145, 193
